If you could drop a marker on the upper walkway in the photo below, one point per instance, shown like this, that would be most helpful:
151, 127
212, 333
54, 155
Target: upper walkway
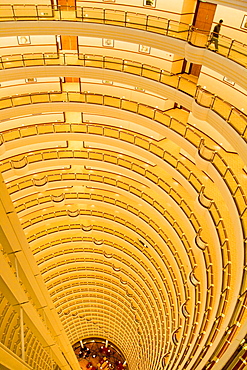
184, 83
229, 48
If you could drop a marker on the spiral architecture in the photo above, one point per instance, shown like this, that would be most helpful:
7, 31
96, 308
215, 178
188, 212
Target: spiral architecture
123, 161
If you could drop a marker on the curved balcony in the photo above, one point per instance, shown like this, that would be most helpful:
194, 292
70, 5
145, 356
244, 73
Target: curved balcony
180, 81
220, 225
236, 119
229, 48
190, 134
211, 157
147, 238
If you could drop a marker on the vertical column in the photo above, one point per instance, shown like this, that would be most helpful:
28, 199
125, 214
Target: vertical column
69, 42
22, 334
66, 4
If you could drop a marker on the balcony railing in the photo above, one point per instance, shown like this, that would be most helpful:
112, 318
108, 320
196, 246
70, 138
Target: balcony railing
229, 48
232, 115
213, 210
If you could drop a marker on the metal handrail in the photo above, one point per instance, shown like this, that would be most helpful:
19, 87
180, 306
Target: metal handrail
229, 48
232, 115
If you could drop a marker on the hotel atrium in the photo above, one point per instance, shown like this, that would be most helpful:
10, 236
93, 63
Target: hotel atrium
123, 182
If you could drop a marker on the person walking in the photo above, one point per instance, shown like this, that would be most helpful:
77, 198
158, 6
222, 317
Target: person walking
215, 36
